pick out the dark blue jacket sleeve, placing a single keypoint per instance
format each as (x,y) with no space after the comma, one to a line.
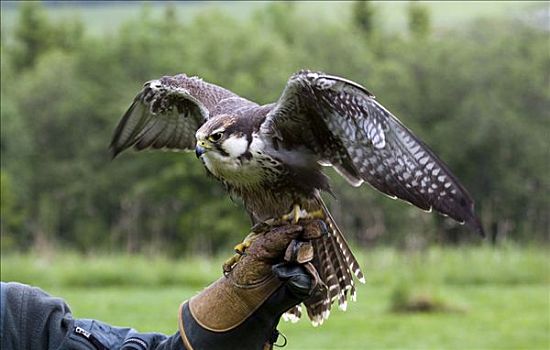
(32,319)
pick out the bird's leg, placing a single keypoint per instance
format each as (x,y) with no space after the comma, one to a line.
(247,241)
(229,263)
(241,247)
(297,214)
(294,216)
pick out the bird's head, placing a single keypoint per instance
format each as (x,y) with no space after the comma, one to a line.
(221,144)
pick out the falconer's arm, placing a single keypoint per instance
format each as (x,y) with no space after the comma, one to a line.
(240,310)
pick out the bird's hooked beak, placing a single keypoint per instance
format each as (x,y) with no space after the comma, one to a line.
(199,151)
(201,147)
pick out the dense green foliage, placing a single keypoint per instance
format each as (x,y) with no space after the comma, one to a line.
(479,287)
(478,94)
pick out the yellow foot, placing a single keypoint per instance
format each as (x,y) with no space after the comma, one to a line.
(297,214)
(240,251)
(229,263)
(241,247)
(294,215)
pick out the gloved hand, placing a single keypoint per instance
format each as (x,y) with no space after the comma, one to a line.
(242,309)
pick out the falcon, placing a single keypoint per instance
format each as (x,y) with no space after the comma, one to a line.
(271,156)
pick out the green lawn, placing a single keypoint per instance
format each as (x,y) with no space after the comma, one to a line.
(497,298)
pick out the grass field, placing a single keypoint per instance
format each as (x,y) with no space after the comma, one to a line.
(494,298)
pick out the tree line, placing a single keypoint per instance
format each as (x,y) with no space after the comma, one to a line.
(477,94)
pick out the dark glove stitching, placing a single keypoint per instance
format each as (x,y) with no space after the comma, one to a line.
(250,285)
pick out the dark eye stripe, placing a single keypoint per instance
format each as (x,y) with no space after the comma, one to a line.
(221,150)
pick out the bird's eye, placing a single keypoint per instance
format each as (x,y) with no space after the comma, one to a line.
(215,137)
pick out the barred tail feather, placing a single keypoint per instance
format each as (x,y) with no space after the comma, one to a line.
(336,266)
(343,244)
(293,315)
(318,308)
(345,277)
(330,274)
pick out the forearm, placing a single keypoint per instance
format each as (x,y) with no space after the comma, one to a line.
(32,319)
(239,311)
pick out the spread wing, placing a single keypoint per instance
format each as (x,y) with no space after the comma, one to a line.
(347,128)
(167,113)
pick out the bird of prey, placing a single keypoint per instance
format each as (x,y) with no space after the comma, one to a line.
(271,156)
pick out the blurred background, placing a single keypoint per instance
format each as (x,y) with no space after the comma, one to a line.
(472,79)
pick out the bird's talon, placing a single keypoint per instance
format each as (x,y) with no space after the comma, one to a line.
(294,216)
(240,248)
(317,214)
(246,243)
(297,214)
(229,263)
(239,252)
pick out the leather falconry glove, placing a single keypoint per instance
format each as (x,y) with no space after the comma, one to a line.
(242,309)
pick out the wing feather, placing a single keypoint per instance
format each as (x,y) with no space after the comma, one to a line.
(344,124)
(167,113)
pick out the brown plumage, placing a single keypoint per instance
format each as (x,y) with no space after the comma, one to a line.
(271,156)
